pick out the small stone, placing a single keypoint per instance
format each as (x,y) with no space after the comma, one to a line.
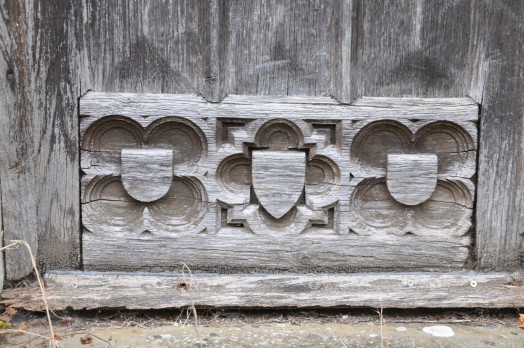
(166,336)
(439,331)
(373,335)
(401,329)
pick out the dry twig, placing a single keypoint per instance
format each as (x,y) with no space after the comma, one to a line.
(14,243)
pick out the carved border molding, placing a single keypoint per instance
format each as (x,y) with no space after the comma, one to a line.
(382,171)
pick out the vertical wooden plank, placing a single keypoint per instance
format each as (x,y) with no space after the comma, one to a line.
(498,83)
(415,48)
(16,135)
(145,46)
(213,23)
(40,181)
(2,253)
(60,78)
(280,47)
(346,56)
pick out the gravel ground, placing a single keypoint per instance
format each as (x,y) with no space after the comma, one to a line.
(285,328)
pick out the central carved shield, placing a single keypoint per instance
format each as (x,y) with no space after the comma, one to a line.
(147,174)
(278,179)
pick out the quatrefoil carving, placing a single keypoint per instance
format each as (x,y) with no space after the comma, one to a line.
(412,182)
(142,179)
(283,179)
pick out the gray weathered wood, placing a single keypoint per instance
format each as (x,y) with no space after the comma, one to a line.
(214,37)
(43,71)
(2,258)
(236,250)
(280,48)
(278,179)
(147,174)
(88,290)
(141,46)
(52,52)
(220,214)
(411,179)
(17,135)
(347,50)
(416,48)
(498,83)
(56,77)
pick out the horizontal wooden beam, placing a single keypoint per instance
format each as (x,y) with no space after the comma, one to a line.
(92,290)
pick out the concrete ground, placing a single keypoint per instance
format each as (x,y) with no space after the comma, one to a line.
(338,328)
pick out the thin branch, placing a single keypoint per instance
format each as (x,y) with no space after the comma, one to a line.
(14,243)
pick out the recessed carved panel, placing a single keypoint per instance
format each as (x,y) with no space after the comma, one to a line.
(143,178)
(257,184)
(412,177)
(446,212)
(275,184)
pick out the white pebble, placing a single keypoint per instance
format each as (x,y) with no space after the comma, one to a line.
(439,331)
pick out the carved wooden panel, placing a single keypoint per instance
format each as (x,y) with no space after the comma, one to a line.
(276,184)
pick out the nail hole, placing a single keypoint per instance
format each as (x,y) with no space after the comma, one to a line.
(183,286)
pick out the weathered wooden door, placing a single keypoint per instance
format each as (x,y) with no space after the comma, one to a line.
(240,139)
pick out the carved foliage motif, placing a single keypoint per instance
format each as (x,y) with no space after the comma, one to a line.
(221,169)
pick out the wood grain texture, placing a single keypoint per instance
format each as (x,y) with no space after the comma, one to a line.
(147,174)
(347,50)
(96,104)
(2,254)
(57,79)
(51,54)
(235,250)
(214,48)
(416,48)
(278,178)
(17,127)
(79,291)
(411,179)
(141,46)
(42,44)
(498,82)
(280,48)
(213,219)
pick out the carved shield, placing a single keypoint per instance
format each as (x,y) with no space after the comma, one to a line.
(147,174)
(278,179)
(412,178)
